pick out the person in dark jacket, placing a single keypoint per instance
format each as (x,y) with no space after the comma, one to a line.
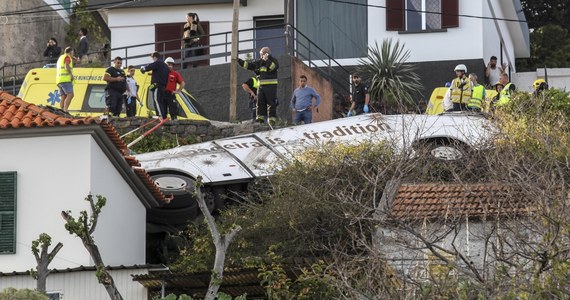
(116,85)
(53,51)
(158,82)
(267,67)
(83,47)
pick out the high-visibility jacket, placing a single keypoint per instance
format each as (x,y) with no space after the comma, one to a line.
(62,74)
(477,97)
(461,90)
(255,82)
(504,96)
(267,69)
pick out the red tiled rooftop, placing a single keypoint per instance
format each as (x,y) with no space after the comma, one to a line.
(17,113)
(445,200)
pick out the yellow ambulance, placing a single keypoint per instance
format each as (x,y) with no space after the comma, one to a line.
(39,88)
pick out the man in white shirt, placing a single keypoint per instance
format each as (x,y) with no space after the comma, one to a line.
(492,72)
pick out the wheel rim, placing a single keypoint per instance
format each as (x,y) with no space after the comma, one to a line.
(446,153)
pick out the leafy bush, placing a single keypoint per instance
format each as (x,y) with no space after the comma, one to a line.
(21,294)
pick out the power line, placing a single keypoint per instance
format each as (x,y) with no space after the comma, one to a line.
(49,8)
(428,12)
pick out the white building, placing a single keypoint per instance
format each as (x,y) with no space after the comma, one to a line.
(49,164)
(433,30)
(429,228)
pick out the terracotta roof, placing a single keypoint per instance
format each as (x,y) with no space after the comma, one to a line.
(17,113)
(446,200)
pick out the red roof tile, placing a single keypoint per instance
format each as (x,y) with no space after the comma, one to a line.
(17,113)
(445,200)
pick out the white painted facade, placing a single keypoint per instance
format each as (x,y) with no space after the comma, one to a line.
(409,256)
(82,284)
(475,38)
(55,173)
(136,26)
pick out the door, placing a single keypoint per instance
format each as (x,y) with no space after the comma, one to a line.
(270,32)
(168,40)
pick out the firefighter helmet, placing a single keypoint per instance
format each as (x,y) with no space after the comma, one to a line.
(540,84)
(460,67)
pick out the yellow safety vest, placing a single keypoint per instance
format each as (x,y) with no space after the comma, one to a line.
(463,94)
(504,96)
(62,74)
(476,97)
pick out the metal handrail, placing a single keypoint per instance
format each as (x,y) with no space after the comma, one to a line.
(300,46)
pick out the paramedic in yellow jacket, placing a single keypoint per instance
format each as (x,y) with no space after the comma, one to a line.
(64,77)
(477,96)
(505,94)
(460,89)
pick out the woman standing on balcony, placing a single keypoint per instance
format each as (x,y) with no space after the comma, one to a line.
(191,38)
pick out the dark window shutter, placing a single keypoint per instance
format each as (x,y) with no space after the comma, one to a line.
(7,212)
(395,15)
(449,13)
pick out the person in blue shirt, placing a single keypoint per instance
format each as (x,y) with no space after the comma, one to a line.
(302,101)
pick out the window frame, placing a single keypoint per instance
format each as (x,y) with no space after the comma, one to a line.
(8,179)
(396,16)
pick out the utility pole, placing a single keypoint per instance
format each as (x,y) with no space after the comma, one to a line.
(233,64)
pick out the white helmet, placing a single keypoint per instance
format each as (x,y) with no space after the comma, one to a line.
(460,67)
(169,60)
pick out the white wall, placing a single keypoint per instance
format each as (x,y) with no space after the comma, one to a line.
(82,285)
(56,173)
(557,78)
(121,231)
(398,246)
(496,31)
(475,38)
(136,26)
(435,46)
(52,175)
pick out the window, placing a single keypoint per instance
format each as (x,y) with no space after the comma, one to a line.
(421,15)
(95,99)
(7,212)
(55,295)
(339,29)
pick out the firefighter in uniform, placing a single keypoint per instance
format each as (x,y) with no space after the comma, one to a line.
(250,86)
(267,66)
(539,86)
(461,89)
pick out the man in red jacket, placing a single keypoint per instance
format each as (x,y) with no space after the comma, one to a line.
(174,85)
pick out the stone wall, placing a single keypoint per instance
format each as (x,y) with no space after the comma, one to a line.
(202,130)
(25,36)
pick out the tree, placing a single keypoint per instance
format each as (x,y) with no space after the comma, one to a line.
(43,258)
(539,13)
(327,204)
(549,39)
(393,83)
(221,243)
(82,17)
(549,47)
(83,227)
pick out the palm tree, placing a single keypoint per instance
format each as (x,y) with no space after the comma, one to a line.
(394,85)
